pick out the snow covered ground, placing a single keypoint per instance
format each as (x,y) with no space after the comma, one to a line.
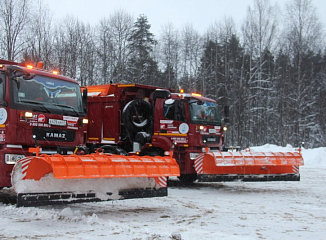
(237,210)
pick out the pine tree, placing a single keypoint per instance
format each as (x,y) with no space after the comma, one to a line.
(142,67)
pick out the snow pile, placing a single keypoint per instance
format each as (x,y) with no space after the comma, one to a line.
(71,215)
(273,148)
(312,157)
(66,215)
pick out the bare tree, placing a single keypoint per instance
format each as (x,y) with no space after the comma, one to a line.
(191,51)
(303,27)
(112,46)
(221,33)
(14,15)
(121,24)
(304,35)
(87,57)
(170,54)
(105,50)
(40,37)
(67,43)
(259,33)
(260,27)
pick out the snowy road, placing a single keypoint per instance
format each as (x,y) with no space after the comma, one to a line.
(274,210)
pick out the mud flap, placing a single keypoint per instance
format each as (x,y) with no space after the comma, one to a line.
(248,166)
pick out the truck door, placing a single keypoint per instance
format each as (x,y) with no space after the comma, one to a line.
(172,121)
(111,123)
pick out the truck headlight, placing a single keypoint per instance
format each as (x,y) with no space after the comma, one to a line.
(13,158)
(193,156)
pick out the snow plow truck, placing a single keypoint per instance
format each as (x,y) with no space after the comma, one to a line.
(124,133)
(135,119)
(42,120)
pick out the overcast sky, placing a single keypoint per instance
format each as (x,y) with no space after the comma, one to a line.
(200,13)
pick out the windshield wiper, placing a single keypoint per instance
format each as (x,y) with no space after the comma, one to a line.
(36,103)
(207,122)
(66,106)
(30,101)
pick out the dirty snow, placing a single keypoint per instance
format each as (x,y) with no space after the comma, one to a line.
(100,186)
(237,210)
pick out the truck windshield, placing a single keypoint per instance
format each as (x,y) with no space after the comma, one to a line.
(47,94)
(204,112)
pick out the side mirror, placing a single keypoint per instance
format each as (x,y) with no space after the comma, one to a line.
(85,99)
(226,114)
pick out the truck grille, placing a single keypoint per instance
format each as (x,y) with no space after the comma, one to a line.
(59,135)
(211,139)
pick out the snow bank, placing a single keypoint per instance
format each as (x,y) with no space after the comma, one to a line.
(312,157)
(273,148)
(66,215)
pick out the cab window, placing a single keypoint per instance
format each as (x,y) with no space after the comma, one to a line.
(174,110)
(2,87)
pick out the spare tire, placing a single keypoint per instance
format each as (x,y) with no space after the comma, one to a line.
(137,115)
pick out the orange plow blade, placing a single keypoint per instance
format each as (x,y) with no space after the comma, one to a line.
(55,179)
(248,166)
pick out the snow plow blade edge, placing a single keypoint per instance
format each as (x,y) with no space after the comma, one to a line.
(61,198)
(248,166)
(59,179)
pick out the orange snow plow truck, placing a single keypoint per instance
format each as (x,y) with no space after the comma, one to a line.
(43,109)
(134,119)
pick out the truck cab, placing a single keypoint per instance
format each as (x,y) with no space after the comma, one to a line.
(190,122)
(37,107)
(137,119)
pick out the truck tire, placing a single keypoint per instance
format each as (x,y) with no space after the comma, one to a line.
(114,150)
(187,178)
(153,151)
(137,115)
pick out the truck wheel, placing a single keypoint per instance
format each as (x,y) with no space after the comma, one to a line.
(187,178)
(114,150)
(153,152)
(136,116)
